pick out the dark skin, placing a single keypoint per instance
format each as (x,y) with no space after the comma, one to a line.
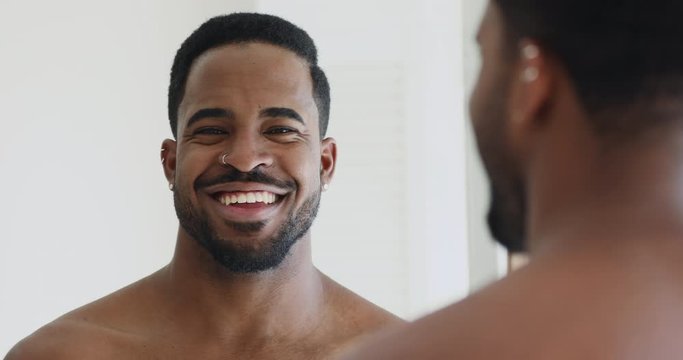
(604,228)
(194,308)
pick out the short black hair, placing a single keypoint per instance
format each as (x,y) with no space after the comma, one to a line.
(620,54)
(239,28)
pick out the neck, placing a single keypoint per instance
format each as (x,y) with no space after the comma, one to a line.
(211,299)
(592,197)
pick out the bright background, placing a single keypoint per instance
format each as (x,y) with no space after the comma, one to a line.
(85,208)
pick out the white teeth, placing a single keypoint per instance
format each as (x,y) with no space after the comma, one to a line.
(248,198)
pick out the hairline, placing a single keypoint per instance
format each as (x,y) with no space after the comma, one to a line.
(191,66)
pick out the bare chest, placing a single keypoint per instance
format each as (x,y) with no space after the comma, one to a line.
(180,350)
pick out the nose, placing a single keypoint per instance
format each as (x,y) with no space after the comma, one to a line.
(245,153)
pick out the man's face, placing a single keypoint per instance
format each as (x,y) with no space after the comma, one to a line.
(248,155)
(490,116)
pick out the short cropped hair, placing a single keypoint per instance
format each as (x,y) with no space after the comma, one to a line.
(239,28)
(620,54)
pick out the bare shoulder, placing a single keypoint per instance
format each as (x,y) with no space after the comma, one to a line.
(66,339)
(102,329)
(351,319)
(357,311)
(548,310)
(461,330)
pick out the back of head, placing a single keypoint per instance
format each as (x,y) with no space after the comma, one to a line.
(244,28)
(622,55)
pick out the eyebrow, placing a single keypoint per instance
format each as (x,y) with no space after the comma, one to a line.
(273,112)
(210,113)
(278,112)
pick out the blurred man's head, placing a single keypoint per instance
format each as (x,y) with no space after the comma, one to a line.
(624,64)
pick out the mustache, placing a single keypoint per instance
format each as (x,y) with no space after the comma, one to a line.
(255,176)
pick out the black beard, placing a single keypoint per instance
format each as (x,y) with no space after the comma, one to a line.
(507,212)
(245,259)
(506,218)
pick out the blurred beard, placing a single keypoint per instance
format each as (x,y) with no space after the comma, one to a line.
(507,216)
(507,211)
(245,258)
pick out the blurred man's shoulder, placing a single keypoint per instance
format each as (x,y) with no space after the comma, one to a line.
(484,325)
(548,310)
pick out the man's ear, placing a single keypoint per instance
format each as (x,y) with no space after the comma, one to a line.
(328,160)
(531,93)
(168,159)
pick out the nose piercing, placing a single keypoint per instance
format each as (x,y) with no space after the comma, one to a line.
(222,159)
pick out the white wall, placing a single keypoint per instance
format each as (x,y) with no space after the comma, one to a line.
(85,208)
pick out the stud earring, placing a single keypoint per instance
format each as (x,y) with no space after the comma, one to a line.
(170,186)
(530,51)
(530,74)
(325,187)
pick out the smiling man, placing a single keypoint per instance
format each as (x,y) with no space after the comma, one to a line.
(578,115)
(248,107)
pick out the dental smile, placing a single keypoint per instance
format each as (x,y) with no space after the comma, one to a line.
(247,197)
